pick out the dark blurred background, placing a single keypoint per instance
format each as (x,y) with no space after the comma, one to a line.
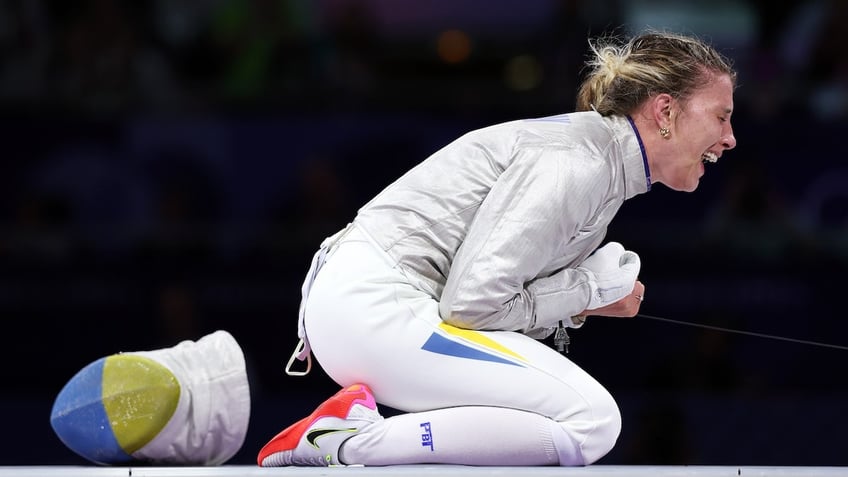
(169,167)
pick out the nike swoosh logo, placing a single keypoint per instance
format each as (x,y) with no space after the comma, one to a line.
(313,435)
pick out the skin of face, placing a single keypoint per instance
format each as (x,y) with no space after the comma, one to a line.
(698,125)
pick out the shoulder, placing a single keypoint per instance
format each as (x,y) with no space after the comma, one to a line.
(586,132)
(579,145)
(583,140)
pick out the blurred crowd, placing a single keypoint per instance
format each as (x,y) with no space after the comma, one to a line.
(105,57)
(169,166)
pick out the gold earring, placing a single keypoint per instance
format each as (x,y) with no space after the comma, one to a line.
(665,132)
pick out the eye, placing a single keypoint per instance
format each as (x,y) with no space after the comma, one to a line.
(722,119)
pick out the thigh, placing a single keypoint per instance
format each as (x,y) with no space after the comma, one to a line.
(367,324)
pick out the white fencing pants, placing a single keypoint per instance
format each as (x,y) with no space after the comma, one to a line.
(473,397)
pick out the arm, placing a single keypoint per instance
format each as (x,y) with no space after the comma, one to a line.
(538,203)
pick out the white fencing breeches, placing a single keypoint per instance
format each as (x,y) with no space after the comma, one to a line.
(367,324)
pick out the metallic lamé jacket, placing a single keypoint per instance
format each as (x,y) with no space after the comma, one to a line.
(493,224)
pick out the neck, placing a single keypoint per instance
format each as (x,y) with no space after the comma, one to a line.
(652,142)
(643,153)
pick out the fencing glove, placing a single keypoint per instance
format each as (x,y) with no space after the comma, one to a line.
(612,273)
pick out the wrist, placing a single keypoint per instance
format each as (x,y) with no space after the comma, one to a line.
(575,321)
(594,299)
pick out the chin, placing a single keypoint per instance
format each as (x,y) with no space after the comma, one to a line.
(693,182)
(684,187)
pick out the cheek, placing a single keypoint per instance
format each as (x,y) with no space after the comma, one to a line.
(703,134)
(712,133)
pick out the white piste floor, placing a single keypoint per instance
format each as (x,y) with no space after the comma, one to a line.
(425,471)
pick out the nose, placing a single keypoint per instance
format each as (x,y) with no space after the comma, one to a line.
(728,140)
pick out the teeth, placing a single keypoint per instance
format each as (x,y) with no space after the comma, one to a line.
(709,157)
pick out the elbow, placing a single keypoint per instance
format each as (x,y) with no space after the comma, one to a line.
(480,319)
(460,317)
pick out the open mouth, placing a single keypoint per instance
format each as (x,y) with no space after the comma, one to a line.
(709,157)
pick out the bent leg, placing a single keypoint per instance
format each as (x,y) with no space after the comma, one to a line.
(484,394)
(466,435)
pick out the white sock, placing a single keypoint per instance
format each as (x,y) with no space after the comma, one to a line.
(468,435)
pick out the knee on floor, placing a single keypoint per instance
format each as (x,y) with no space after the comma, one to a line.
(604,434)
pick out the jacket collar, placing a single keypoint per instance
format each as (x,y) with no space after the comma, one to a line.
(637,173)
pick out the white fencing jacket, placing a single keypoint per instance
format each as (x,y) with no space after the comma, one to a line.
(493,224)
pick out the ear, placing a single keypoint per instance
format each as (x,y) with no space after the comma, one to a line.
(662,107)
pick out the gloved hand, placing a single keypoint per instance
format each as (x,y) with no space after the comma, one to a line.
(612,274)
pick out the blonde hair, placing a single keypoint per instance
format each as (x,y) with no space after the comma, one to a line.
(622,75)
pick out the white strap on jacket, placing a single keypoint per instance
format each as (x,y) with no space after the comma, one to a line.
(303,351)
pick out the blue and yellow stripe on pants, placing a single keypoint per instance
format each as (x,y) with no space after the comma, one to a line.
(470,344)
